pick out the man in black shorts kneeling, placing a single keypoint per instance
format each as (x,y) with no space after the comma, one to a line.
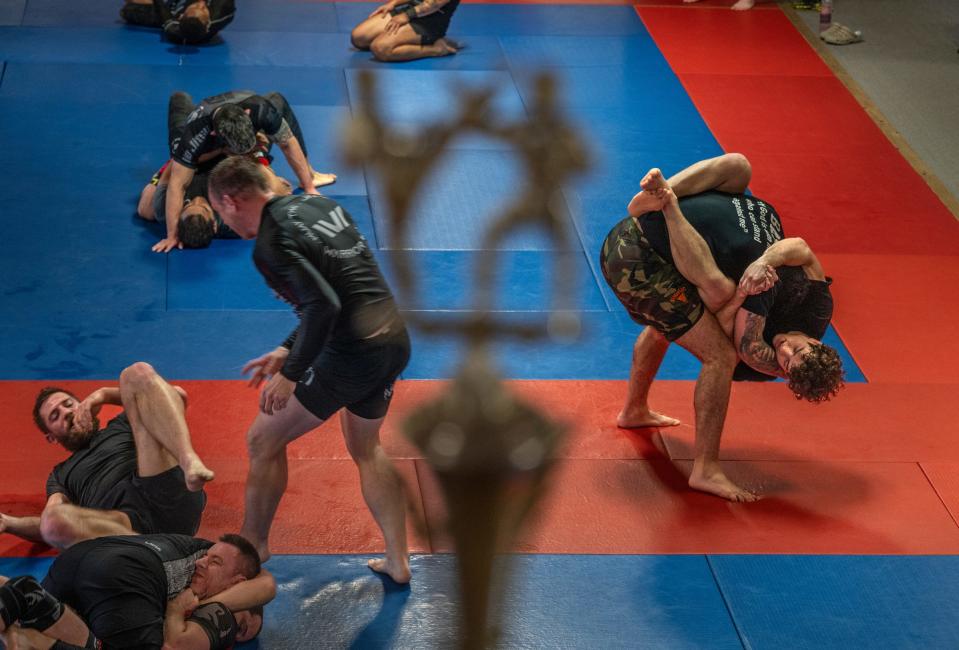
(403,30)
(138,474)
(349,348)
(143,592)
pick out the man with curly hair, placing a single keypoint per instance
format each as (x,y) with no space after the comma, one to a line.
(777,330)
(674,262)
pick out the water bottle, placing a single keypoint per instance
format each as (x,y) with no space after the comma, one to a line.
(825,15)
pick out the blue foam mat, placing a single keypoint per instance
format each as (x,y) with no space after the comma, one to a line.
(275,48)
(11,12)
(284,16)
(401,93)
(225,278)
(86,45)
(477,53)
(48,13)
(841,602)
(103,84)
(454,207)
(584,51)
(334,601)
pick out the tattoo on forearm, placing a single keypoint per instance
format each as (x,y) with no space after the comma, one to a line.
(427,7)
(754,350)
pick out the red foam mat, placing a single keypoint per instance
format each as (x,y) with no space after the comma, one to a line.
(704,4)
(644,506)
(896,314)
(322,511)
(945,479)
(865,422)
(731,42)
(784,114)
(617,485)
(220,412)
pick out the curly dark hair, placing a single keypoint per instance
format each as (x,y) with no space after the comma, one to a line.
(234,126)
(819,376)
(194,230)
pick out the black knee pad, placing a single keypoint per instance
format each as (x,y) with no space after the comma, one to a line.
(23,599)
(10,605)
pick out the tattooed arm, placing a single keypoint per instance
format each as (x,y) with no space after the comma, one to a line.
(428,7)
(750,346)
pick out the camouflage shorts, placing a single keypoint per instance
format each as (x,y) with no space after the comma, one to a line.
(651,289)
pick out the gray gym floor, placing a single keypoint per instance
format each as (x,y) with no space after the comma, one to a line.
(908,67)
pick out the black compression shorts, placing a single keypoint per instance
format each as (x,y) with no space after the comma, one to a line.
(161,503)
(433,27)
(119,592)
(359,378)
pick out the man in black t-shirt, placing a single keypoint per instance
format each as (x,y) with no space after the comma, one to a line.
(664,286)
(403,30)
(142,592)
(138,474)
(716,239)
(182,21)
(349,348)
(227,125)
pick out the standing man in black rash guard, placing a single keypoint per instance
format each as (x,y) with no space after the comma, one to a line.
(182,21)
(403,30)
(143,592)
(138,474)
(349,348)
(663,268)
(227,125)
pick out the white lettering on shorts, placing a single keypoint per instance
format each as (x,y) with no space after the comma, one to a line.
(308,376)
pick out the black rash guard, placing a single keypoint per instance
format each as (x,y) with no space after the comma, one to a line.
(89,476)
(198,136)
(312,255)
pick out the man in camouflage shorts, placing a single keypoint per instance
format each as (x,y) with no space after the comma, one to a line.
(656,295)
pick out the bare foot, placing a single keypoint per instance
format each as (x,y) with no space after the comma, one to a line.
(653,180)
(319,179)
(400,575)
(715,482)
(644,419)
(651,198)
(742,5)
(197,475)
(449,46)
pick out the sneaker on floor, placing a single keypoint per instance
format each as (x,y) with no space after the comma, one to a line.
(841,35)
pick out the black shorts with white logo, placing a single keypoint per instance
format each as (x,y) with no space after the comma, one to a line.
(359,378)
